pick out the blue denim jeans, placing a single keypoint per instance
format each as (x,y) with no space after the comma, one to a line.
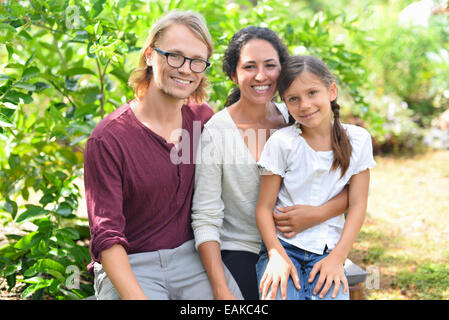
(304,262)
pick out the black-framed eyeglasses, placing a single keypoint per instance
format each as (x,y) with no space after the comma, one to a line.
(176,60)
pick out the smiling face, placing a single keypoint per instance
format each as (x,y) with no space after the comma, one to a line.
(257,72)
(308,100)
(176,83)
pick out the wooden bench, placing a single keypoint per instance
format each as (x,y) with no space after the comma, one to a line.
(356,276)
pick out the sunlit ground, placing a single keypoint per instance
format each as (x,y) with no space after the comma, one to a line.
(406,234)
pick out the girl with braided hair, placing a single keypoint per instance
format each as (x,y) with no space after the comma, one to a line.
(309,162)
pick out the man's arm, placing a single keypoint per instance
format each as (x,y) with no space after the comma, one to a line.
(116,264)
(102,179)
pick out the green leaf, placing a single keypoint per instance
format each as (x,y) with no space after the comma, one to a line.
(5,122)
(8,27)
(120,74)
(30,72)
(23,33)
(17,97)
(10,51)
(98,29)
(43,246)
(12,268)
(76,71)
(97,8)
(64,209)
(32,212)
(51,267)
(11,280)
(63,241)
(10,206)
(14,161)
(91,95)
(28,241)
(80,254)
(40,284)
(40,86)
(69,232)
(24,85)
(46,198)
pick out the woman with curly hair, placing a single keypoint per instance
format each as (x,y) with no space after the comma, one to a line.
(227,177)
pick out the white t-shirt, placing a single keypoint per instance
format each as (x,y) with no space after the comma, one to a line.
(308,180)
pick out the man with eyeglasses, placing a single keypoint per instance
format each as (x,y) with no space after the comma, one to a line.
(138,200)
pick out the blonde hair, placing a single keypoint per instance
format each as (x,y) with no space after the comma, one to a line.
(140,78)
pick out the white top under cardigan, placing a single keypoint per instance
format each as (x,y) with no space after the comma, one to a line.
(227,184)
(308,180)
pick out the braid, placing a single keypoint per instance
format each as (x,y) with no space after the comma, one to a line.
(233,97)
(335,109)
(341,146)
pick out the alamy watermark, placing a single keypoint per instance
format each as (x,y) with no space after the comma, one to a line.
(73,279)
(372,281)
(72,14)
(216,146)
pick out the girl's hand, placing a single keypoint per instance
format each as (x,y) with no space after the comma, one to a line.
(331,272)
(278,270)
(295,219)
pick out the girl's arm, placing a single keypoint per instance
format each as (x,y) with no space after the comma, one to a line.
(331,268)
(116,264)
(297,218)
(279,266)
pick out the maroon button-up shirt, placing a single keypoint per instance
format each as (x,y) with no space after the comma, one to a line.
(138,188)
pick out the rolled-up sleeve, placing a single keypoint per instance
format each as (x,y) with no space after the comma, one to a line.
(273,157)
(207,204)
(104,197)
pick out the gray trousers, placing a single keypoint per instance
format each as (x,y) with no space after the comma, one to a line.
(168,274)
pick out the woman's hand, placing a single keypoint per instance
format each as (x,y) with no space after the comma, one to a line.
(295,219)
(331,271)
(278,270)
(224,294)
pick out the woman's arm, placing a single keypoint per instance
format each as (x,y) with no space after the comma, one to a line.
(279,266)
(211,257)
(208,212)
(116,264)
(297,218)
(331,268)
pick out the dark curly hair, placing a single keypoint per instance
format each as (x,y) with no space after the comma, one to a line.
(232,53)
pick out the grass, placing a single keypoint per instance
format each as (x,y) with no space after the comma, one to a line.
(406,233)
